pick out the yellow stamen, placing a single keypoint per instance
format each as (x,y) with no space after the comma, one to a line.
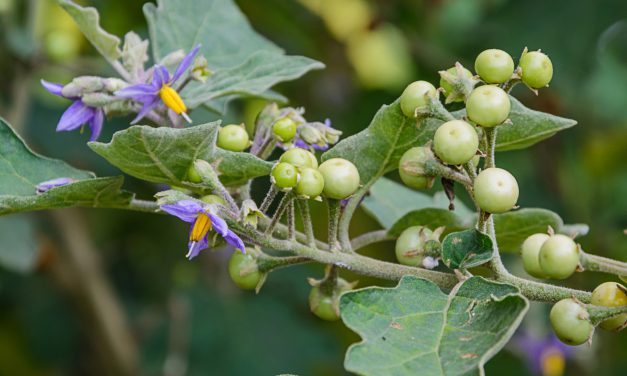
(172,100)
(201,228)
(553,363)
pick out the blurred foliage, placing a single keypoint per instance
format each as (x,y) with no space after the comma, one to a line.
(187,317)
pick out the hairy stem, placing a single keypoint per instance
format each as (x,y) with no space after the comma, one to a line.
(267,263)
(490,134)
(303,208)
(267,201)
(291,223)
(368,238)
(334,216)
(600,314)
(285,201)
(596,263)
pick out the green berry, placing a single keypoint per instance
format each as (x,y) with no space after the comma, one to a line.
(611,294)
(455,142)
(570,322)
(488,106)
(411,244)
(537,69)
(311,183)
(213,199)
(284,129)
(327,305)
(233,137)
(300,158)
(416,96)
(341,178)
(530,251)
(447,87)
(193,175)
(284,175)
(494,66)
(411,168)
(496,190)
(243,270)
(559,257)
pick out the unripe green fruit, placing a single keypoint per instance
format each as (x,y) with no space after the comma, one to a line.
(537,69)
(410,167)
(416,96)
(341,178)
(213,199)
(610,294)
(530,253)
(243,270)
(488,106)
(410,245)
(233,137)
(300,158)
(494,66)
(284,175)
(448,88)
(284,129)
(570,322)
(193,175)
(455,142)
(496,190)
(327,307)
(311,183)
(559,257)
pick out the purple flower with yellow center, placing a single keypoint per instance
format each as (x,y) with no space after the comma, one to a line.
(78,114)
(160,90)
(546,356)
(47,185)
(203,221)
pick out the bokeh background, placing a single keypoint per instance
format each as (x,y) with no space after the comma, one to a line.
(97,291)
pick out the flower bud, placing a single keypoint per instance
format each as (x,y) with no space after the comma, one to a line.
(173,59)
(113,84)
(250,212)
(134,52)
(98,99)
(200,70)
(82,85)
(311,135)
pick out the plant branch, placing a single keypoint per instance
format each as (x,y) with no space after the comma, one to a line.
(490,134)
(368,238)
(334,215)
(596,263)
(285,201)
(303,208)
(267,201)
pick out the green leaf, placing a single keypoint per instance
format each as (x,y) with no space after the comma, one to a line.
(244,63)
(416,329)
(18,248)
(21,170)
(466,249)
(528,127)
(164,155)
(388,201)
(88,21)
(514,227)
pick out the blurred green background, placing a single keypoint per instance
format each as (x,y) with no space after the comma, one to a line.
(83,291)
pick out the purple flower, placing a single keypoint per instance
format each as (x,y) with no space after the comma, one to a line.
(47,185)
(202,220)
(160,90)
(545,356)
(77,114)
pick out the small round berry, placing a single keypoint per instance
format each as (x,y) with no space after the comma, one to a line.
(537,69)
(284,175)
(193,175)
(455,142)
(530,251)
(448,88)
(611,294)
(341,178)
(410,245)
(570,322)
(488,106)
(494,66)
(233,137)
(559,257)
(311,183)
(416,96)
(243,270)
(327,306)
(300,158)
(496,190)
(284,129)
(411,167)
(213,199)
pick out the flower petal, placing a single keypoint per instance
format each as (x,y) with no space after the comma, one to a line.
(218,224)
(52,87)
(196,247)
(187,61)
(96,124)
(45,186)
(75,116)
(147,107)
(235,241)
(186,210)
(160,76)
(135,91)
